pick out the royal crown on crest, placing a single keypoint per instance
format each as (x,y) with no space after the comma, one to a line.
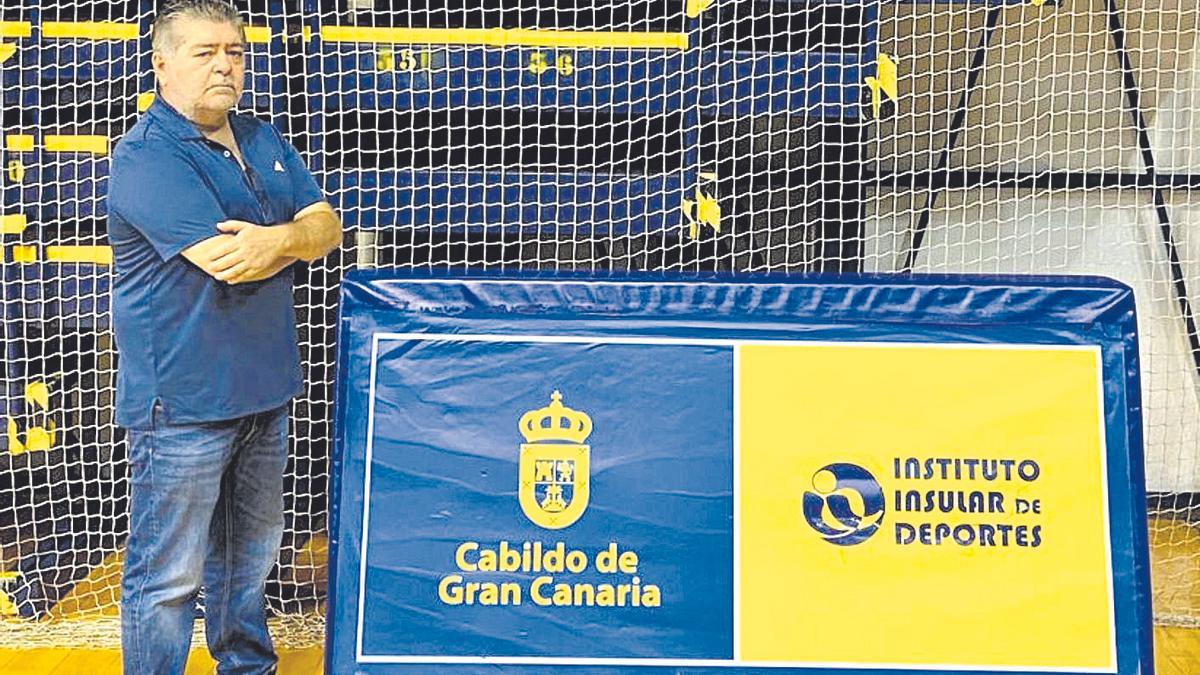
(555,422)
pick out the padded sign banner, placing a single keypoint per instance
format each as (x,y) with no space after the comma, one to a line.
(627,475)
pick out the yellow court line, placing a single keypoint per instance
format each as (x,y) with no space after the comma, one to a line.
(97,145)
(101,661)
(40,661)
(18,142)
(15,29)
(90,30)
(13,223)
(504,37)
(95,662)
(1172,657)
(98,255)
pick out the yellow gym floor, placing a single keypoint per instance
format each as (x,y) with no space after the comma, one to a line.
(1177,652)
(1175,552)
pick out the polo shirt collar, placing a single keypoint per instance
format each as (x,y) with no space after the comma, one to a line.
(174,120)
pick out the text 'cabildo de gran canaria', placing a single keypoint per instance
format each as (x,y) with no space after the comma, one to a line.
(552,569)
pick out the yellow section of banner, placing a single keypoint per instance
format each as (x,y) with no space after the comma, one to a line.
(924,506)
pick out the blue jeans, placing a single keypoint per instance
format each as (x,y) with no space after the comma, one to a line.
(206,509)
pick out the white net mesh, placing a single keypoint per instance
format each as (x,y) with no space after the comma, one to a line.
(1076,114)
(735,135)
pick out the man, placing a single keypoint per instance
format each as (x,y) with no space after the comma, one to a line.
(208,211)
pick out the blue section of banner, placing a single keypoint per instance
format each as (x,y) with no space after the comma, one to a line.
(444,478)
(443,474)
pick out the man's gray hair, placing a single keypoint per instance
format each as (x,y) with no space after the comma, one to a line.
(218,11)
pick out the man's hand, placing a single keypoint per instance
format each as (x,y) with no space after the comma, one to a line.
(242,255)
(279,265)
(256,252)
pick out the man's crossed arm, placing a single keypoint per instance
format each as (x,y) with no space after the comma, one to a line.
(246,252)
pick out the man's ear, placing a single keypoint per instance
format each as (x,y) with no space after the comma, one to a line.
(158,62)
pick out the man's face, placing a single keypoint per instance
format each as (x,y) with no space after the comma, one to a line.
(205,71)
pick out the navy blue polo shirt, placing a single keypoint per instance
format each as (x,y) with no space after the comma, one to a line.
(202,349)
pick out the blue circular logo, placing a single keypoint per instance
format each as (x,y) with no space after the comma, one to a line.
(845,505)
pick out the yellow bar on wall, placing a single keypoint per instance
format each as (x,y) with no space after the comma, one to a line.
(15,29)
(502,37)
(13,223)
(398,35)
(18,142)
(24,254)
(144,101)
(97,145)
(258,34)
(695,8)
(99,255)
(596,40)
(90,30)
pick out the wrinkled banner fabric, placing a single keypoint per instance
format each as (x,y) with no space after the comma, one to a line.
(753,475)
